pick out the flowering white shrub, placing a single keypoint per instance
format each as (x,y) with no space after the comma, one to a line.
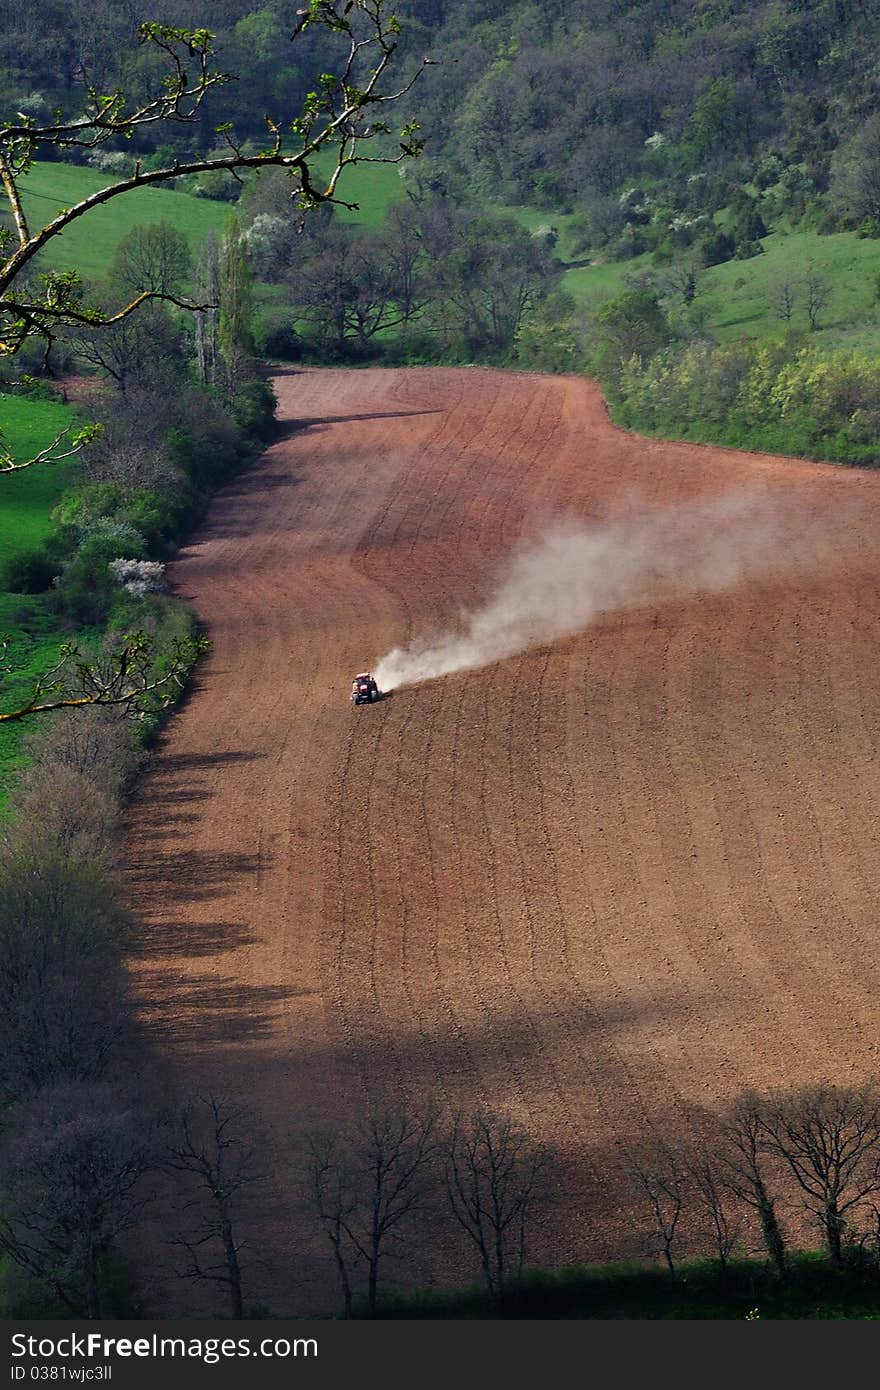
(112,161)
(681,223)
(139,577)
(108,529)
(266,239)
(32,104)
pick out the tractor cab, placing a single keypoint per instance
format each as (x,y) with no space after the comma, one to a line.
(364,690)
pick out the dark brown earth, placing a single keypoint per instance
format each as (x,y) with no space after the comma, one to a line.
(605,885)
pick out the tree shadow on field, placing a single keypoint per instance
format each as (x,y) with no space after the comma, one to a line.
(259,480)
(174,779)
(172,763)
(190,875)
(196,1010)
(288,428)
(188,939)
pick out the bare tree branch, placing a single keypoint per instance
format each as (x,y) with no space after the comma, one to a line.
(53,453)
(130,676)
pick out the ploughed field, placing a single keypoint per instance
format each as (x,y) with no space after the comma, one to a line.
(605,885)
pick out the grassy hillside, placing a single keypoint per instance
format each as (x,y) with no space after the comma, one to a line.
(374,186)
(25,502)
(26,498)
(88,245)
(736,296)
(737,292)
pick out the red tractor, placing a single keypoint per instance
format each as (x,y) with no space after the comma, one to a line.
(364,690)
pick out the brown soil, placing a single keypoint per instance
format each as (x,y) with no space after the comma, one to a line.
(605,885)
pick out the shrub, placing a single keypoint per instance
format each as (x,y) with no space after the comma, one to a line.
(768,396)
(745,250)
(716,248)
(115,162)
(29,572)
(204,467)
(216,184)
(82,506)
(86,588)
(128,539)
(276,337)
(139,577)
(254,408)
(96,742)
(154,517)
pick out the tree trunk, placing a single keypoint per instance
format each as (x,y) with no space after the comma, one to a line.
(233,1267)
(833,1224)
(772,1235)
(343,1277)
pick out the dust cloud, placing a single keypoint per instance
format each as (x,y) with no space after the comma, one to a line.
(558,584)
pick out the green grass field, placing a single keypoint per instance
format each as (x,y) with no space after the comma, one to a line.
(26,500)
(736,294)
(88,244)
(376,187)
(32,648)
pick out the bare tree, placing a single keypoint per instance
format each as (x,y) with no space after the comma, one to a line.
(782,298)
(658,1175)
(829,1136)
(215,1149)
(493,1174)
(70,1186)
(335,1204)
(67,800)
(97,744)
(368,1190)
(745,1163)
(123,350)
(407,262)
(818,292)
(713,1195)
(63,809)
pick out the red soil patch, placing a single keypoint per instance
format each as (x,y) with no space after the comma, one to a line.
(605,885)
